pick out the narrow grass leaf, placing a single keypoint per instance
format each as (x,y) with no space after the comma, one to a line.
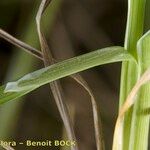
(59,70)
(68,67)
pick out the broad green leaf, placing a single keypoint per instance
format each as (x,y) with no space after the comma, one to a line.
(33,80)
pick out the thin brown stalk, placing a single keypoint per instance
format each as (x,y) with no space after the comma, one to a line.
(55,86)
(97,121)
(20,44)
(46,4)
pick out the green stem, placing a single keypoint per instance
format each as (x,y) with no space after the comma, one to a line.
(140,119)
(130,70)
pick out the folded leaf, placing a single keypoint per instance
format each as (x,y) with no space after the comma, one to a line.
(65,68)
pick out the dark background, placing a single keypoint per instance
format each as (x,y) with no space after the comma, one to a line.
(79,26)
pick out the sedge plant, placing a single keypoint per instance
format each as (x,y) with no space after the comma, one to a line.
(132,126)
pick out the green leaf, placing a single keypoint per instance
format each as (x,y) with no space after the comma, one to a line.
(65,68)
(4,97)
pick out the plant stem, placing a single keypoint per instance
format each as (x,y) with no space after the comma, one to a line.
(140,119)
(130,70)
(55,86)
(147,16)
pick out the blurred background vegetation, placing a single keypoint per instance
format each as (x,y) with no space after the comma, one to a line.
(72,27)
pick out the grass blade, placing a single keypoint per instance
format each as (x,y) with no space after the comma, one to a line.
(68,67)
(62,69)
